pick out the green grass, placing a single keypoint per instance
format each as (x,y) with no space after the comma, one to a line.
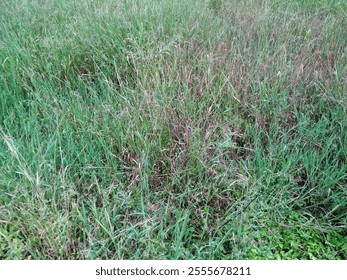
(175,129)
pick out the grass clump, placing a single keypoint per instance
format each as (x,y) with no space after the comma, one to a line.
(173,129)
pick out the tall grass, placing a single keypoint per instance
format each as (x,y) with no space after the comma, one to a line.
(173,129)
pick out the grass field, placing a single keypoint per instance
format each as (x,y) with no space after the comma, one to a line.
(173,129)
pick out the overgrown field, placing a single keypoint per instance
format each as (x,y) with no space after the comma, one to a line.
(173,129)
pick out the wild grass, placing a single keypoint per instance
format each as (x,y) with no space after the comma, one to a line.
(173,129)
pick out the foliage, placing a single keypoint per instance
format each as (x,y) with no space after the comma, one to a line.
(297,240)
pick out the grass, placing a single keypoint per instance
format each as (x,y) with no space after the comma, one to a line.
(173,129)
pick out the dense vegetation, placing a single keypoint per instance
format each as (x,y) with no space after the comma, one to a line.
(173,129)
